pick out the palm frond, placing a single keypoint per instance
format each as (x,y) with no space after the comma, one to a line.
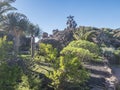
(15,20)
(88,34)
(5,6)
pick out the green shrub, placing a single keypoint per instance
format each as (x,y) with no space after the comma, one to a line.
(82,54)
(92,47)
(9,76)
(47,52)
(5,48)
(70,68)
(70,71)
(88,51)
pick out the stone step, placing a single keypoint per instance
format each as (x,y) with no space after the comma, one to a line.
(98,72)
(96,68)
(96,80)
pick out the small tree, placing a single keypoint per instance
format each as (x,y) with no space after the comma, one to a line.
(47,54)
(70,71)
(71,24)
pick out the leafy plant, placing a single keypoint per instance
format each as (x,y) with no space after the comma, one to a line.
(9,76)
(83,33)
(70,71)
(48,52)
(81,53)
(5,48)
(92,47)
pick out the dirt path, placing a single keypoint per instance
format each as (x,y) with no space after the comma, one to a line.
(103,76)
(114,79)
(116,71)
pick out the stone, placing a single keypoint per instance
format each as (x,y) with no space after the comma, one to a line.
(45,35)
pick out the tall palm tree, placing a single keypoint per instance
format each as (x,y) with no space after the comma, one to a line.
(5,6)
(15,24)
(33,31)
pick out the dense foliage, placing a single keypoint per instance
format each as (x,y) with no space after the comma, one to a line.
(70,68)
(70,73)
(88,51)
(92,47)
(10,76)
(10,73)
(47,52)
(5,48)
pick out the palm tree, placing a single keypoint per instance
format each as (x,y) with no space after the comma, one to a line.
(5,6)
(116,33)
(83,33)
(15,24)
(33,31)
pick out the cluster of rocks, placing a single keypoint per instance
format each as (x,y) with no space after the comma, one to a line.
(59,39)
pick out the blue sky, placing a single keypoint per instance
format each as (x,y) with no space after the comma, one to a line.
(51,14)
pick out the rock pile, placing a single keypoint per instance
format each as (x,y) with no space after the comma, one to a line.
(59,39)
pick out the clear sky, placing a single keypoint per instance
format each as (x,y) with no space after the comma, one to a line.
(51,14)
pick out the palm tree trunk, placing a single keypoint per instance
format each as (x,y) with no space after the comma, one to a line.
(17,41)
(32,45)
